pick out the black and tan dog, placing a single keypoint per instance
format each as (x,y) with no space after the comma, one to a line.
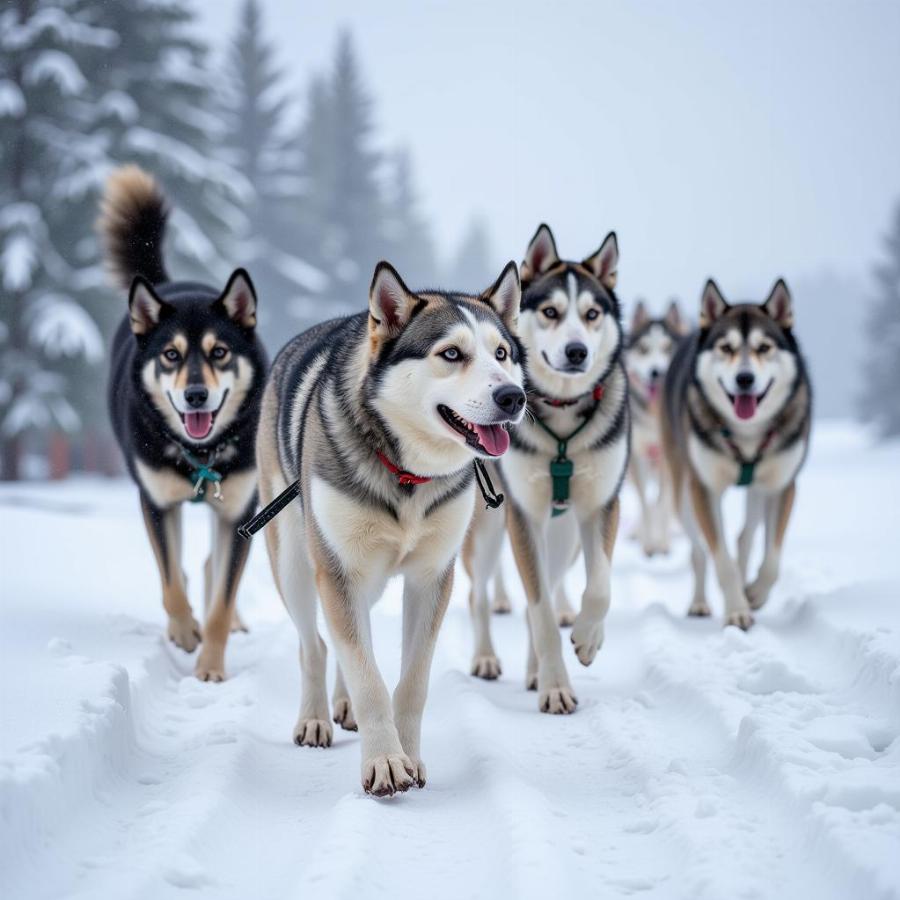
(737,411)
(376,420)
(186,379)
(566,464)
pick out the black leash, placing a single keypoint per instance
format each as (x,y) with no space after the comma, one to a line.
(292,491)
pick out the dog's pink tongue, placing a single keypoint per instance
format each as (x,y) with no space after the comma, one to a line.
(653,391)
(745,406)
(198,424)
(494,438)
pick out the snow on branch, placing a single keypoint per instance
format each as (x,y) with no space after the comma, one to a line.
(58,67)
(60,327)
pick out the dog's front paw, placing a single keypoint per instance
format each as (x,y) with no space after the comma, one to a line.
(699,607)
(487,667)
(741,618)
(384,776)
(313,732)
(343,714)
(558,701)
(587,637)
(531,681)
(757,594)
(565,618)
(420,775)
(210,665)
(184,632)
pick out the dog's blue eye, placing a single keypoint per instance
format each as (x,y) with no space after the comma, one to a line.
(172,355)
(501,353)
(549,312)
(218,352)
(451,354)
(591,315)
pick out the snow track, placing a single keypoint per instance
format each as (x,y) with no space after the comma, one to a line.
(702,762)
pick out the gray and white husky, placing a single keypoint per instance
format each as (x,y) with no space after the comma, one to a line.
(566,464)
(737,409)
(651,343)
(378,418)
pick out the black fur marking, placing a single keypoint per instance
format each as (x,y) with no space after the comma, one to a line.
(462,485)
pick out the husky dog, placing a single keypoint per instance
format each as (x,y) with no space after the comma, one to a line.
(736,411)
(186,378)
(378,418)
(651,343)
(566,464)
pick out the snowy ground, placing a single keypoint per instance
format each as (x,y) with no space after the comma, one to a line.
(701,763)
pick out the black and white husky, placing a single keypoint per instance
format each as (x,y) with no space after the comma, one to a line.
(651,343)
(377,419)
(566,464)
(185,383)
(737,411)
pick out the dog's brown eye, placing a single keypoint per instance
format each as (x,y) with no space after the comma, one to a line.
(451,354)
(550,312)
(763,349)
(727,349)
(172,355)
(219,352)
(591,315)
(501,353)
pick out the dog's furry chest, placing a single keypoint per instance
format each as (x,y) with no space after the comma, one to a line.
(719,470)
(646,434)
(363,537)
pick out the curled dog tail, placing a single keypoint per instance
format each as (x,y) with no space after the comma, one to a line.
(132,223)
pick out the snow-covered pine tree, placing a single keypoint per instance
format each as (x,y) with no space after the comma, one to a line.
(344,209)
(255,142)
(48,51)
(472,267)
(408,232)
(880,401)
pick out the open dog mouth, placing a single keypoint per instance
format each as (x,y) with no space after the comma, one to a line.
(745,405)
(569,369)
(490,439)
(199,423)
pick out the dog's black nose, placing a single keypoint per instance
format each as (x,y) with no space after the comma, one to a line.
(510,399)
(744,380)
(576,353)
(195,395)
(654,374)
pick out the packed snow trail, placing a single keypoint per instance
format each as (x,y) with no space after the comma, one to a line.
(702,762)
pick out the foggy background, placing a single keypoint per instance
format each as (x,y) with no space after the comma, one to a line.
(305,141)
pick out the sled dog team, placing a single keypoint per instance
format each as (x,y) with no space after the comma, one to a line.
(372,438)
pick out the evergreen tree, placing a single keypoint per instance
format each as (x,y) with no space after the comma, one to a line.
(344,217)
(881,399)
(269,243)
(48,117)
(407,230)
(472,267)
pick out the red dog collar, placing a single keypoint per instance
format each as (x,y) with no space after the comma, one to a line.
(402,476)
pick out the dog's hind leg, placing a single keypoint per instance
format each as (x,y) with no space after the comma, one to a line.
(341,703)
(555,694)
(481,558)
(500,604)
(425,600)
(164,530)
(229,556)
(777,514)
(598,537)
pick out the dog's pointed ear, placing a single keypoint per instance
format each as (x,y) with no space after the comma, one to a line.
(541,254)
(779,305)
(640,317)
(505,295)
(239,299)
(712,305)
(145,309)
(674,320)
(605,262)
(391,302)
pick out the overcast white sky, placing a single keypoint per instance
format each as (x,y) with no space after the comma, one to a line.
(742,140)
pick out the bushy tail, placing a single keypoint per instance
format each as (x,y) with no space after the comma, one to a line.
(132,222)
